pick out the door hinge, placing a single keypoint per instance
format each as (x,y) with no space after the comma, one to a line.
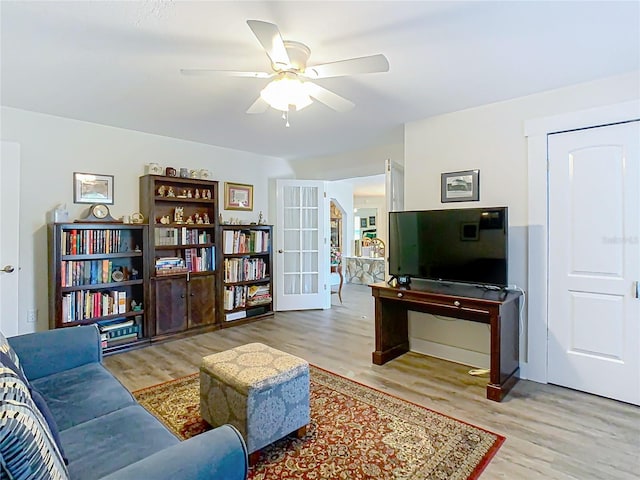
(636,289)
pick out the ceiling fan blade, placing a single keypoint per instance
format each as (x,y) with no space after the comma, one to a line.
(201,72)
(330,99)
(269,37)
(352,66)
(259,106)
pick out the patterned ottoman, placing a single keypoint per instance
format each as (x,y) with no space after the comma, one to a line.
(261,391)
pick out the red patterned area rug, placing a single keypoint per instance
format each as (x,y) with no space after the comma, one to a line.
(356,432)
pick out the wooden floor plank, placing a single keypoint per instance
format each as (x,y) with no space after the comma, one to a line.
(552,432)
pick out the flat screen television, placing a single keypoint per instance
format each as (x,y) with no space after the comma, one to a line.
(460,245)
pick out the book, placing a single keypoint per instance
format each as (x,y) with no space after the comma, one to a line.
(235,315)
(228,241)
(122,301)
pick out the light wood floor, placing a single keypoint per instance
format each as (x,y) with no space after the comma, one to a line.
(552,432)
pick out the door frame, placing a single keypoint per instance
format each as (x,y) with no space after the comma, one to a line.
(536,131)
(10,323)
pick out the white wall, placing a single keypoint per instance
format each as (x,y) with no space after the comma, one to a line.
(490,138)
(52,148)
(358,163)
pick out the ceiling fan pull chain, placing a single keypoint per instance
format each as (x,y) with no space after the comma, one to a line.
(285,115)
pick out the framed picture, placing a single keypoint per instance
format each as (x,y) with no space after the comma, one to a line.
(92,188)
(460,186)
(372,221)
(238,196)
(363,222)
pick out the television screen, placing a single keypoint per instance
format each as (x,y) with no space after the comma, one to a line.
(462,245)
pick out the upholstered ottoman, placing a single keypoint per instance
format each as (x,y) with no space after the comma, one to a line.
(261,391)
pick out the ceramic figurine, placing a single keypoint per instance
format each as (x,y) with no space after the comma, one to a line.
(170,192)
(177,214)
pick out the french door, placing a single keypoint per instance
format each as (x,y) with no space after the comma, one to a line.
(302,258)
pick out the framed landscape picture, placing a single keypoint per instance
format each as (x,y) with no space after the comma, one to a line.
(92,188)
(460,186)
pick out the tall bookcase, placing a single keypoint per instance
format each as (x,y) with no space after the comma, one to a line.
(98,274)
(183,215)
(246,272)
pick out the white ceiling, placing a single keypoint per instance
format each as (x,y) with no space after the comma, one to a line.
(117,63)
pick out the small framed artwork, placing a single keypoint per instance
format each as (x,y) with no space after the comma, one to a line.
(363,222)
(92,188)
(238,196)
(460,186)
(372,221)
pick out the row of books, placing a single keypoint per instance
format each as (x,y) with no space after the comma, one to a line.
(201,259)
(244,269)
(242,296)
(246,241)
(181,236)
(88,242)
(91,272)
(87,304)
(118,331)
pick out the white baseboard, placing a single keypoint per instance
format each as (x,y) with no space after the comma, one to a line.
(447,352)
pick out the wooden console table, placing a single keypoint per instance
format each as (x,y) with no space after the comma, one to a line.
(499,309)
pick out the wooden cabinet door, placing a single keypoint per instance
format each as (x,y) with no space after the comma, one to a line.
(171,305)
(202,301)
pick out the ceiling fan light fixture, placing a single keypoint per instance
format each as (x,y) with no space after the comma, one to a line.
(285,92)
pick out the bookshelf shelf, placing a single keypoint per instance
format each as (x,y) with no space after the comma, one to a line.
(181,237)
(97,256)
(182,199)
(249,282)
(246,273)
(98,273)
(90,321)
(101,286)
(189,245)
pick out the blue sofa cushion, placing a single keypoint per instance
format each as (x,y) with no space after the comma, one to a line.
(38,399)
(81,394)
(116,440)
(27,447)
(40,402)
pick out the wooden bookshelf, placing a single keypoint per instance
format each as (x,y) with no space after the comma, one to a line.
(98,275)
(182,250)
(247,291)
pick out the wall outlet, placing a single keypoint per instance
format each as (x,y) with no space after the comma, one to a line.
(32,315)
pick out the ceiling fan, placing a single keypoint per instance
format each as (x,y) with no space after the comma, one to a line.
(291,88)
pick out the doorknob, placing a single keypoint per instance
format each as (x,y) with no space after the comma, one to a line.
(280,251)
(7,269)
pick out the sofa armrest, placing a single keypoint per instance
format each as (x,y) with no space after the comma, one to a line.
(52,351)
(216,454)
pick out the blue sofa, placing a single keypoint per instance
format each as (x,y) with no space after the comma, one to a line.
(102,433)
